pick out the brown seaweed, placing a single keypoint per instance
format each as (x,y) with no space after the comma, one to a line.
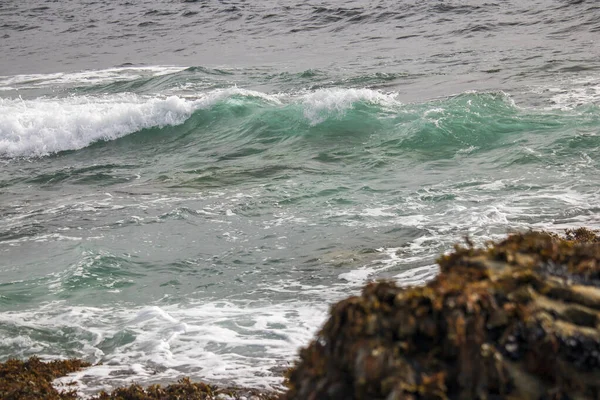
(32,379)
(185,389)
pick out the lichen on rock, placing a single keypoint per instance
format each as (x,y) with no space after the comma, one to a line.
(518,319)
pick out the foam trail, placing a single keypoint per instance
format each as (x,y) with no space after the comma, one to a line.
(31,128)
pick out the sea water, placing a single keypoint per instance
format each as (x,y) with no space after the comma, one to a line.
(186,186)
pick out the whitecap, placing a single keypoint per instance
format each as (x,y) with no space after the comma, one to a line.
(31,128)
(327,103)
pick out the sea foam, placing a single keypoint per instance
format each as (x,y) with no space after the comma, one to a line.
(31,128)
(326,103)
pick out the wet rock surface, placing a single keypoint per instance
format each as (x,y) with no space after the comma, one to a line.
(518,319)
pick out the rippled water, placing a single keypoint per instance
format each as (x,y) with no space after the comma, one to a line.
(186,186)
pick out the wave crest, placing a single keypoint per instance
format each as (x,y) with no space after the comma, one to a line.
(325,103)
(31,128)
(43,126)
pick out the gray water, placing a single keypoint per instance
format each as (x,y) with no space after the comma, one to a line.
(186,186)
(447,46)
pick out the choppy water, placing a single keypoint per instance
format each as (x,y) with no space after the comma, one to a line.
(186,186)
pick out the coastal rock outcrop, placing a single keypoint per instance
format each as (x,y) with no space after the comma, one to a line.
(518,319)
(32,379)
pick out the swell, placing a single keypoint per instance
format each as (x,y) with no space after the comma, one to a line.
(34,128)
(236,122)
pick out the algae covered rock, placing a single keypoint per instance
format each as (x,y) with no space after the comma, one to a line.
(32,379)
(519,319)
(185,389)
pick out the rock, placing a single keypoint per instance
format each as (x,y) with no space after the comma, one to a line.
(185,389)
(519,319)
(32,379)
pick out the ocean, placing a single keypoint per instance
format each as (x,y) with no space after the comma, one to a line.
(187,186)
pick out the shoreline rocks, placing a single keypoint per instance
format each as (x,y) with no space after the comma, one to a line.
(32,380)
(519,319)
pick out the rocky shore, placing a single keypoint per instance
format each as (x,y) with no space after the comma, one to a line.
(32,380)
(517,319)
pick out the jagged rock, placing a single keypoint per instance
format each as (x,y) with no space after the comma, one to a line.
(519,319)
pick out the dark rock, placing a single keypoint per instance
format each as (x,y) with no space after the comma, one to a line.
(518,319)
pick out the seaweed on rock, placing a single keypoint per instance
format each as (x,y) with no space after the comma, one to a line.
(185,389)
(519,319)
(32,379)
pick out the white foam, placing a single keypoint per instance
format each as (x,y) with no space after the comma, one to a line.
(21,342)
(323,104)
(572,93)
(417,276)
(374,217)
(391,258)
(357,276)
(493,185)
(208,99)
(44,126)
(378,212)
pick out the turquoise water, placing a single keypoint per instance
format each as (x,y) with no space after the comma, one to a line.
(169,220)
